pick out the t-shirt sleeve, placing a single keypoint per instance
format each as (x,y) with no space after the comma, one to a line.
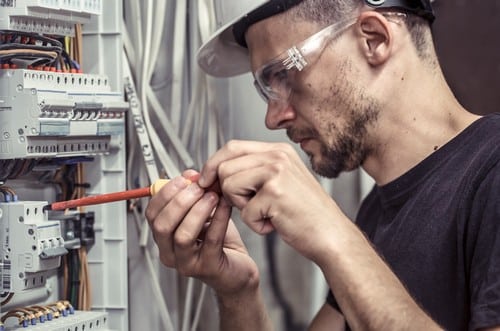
(483,248)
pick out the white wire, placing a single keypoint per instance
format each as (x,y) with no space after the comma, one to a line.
(206,19)
(194,106)
(157,290)
(137,23)
(178,63)
(199,306)
(145,54)
(128,46)
(165,159)
(159,21)
(169,129)
(212,121)
(197,120)
(188,304)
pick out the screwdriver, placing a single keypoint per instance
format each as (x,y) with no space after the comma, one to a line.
(122,195)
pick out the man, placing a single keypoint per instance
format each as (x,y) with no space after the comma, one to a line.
(355,83)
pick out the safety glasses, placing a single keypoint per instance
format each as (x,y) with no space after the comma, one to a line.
(273,80)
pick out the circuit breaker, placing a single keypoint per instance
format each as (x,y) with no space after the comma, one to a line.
(62,136)
(31,245)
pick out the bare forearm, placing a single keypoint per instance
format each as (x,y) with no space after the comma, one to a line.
(370,295)
(244,313)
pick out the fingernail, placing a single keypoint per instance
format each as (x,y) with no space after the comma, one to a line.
(202,181)
(210,196)
(180,182)
(194,188)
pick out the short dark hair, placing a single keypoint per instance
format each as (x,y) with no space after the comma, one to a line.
(326,12)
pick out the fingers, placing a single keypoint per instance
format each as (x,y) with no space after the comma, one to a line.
(191,174)
(216,232)
(168,209)
(186,237)
(159,200)
(235,149)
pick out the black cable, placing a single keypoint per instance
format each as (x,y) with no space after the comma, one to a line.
(35,36)
(6,47)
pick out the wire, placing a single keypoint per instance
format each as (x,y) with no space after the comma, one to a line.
(7,299)
(169,129)
(178,63)
(188,304)
(85,291)
(31,36)
(199,306)
(161,304)
(77,45)
(159,20)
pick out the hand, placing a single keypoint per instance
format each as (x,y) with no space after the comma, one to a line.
(198,241)
(272,187)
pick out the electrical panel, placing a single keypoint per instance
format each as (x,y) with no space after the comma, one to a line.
(54,17)
(49,114)
(62,136)
(31,245)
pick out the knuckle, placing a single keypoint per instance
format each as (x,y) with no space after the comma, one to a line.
(223,170)
(232,145)
(212,241)
(281,156)
(183,239)
(277,167)
(150,215)
(161,228)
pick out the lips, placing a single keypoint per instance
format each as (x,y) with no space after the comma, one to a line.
(300,136)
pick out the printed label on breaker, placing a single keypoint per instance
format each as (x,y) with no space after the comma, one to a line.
(7,3)
(6,275)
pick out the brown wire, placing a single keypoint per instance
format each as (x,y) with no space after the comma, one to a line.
(7,299)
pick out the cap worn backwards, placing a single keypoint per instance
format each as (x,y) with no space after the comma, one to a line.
(225,54)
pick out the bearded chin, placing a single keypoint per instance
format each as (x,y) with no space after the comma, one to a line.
(328,164)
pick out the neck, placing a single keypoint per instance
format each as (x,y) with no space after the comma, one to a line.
(418,119)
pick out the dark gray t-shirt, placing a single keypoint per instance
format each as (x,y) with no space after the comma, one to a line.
(438,228)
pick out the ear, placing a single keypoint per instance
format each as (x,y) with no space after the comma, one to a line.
(375,37)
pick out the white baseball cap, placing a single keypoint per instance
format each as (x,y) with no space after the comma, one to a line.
(225,54)
(222,55)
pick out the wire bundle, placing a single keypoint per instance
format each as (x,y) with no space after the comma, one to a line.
(35,51)
(179,114)
(15,168)
(76,279)
(28,49)
(39,313)
(8,194)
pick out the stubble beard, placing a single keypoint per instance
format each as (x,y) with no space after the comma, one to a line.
(350,145)
(350,148)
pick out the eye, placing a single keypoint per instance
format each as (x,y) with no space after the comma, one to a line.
(279,77)
(273,73)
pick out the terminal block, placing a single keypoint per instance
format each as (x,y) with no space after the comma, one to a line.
(79,320)
(77,228)
(30,244)
(48,114)
(53,17)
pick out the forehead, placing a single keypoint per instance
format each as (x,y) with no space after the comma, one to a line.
(269,38)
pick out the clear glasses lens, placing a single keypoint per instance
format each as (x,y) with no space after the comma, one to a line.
(272,82)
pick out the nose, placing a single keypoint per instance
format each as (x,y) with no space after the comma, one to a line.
(278,114)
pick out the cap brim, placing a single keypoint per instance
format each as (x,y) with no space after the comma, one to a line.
(222,56)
